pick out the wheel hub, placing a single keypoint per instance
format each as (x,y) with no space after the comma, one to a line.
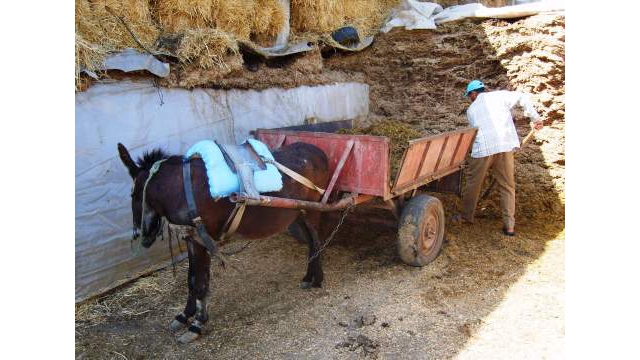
(430,233)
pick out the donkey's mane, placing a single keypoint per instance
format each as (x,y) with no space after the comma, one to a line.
(146,161)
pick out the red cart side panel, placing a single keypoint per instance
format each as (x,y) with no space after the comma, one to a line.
(432,157)
(366,170)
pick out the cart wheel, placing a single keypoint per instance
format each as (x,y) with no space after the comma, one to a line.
(421,230)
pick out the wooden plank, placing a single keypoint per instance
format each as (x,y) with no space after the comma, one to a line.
(455,152)
(337,171)
(410,162)
(424,156)
(464,148)
(444,146)
(431,158)
(449,151)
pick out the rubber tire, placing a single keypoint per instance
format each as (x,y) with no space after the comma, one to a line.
(421,213)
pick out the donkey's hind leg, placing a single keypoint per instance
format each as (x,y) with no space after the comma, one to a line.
(309,223)
(202,266)
(182,320)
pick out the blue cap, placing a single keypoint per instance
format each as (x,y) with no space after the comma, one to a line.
(474,85)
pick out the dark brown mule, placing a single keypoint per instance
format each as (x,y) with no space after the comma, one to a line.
(165,197)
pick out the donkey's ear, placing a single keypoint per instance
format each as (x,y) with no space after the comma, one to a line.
(127,161)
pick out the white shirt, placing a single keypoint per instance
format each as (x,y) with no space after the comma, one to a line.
(491,114)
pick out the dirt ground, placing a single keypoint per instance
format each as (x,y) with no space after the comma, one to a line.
(371,305)
(485,296)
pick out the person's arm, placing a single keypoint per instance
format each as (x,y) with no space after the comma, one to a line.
(522,99)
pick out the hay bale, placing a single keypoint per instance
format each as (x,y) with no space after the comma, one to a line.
(325,16)
(269,18)
(137,15)
(98,32)
(206,48)
(235,17)
(367,15)
(175,16)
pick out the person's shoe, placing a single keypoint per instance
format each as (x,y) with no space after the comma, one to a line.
(508,233)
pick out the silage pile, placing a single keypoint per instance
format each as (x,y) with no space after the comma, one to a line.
(419,77)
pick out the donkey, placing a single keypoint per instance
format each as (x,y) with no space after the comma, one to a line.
(165,197)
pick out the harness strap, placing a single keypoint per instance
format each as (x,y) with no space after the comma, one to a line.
(295,176)
(193,211)
(243,169)
(230,226)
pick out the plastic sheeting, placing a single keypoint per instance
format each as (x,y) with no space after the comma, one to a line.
(132,60)
(506,12)
(413,14)
(131,113)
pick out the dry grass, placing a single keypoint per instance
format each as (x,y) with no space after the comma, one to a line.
(207,48)
(178,15)
(208,26)
(113,35)
(325,16)
(240,18)
(140,297)
(98,32)
(269,18)
(88,56)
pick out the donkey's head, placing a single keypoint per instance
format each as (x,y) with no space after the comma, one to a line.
(146,223)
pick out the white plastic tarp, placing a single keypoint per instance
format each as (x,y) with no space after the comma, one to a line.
(132,60)
(413,14)
(131,113)
(506,12)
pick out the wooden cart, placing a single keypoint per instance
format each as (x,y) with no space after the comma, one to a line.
(360,170)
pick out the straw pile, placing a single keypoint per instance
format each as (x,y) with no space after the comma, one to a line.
(97,25)
(206,48)
(241,18)
(98,32)
(325,16)
(398,132)
(175,16)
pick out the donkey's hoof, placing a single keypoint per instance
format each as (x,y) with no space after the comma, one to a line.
(176,325)
(188,337)
(305,285)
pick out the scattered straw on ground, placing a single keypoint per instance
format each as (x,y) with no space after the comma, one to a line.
(400,134)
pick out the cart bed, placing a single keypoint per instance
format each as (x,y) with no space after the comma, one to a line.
(366,168)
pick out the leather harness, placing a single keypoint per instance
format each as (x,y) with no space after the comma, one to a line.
(246,185)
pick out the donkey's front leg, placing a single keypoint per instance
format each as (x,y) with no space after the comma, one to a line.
(182,320)
(202,265)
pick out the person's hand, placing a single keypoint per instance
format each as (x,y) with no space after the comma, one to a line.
(538,125)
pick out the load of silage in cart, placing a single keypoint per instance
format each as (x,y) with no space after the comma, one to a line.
(398,132)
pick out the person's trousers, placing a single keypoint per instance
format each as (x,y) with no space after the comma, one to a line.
(503,172)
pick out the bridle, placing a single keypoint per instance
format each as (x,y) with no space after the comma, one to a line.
(154,169)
